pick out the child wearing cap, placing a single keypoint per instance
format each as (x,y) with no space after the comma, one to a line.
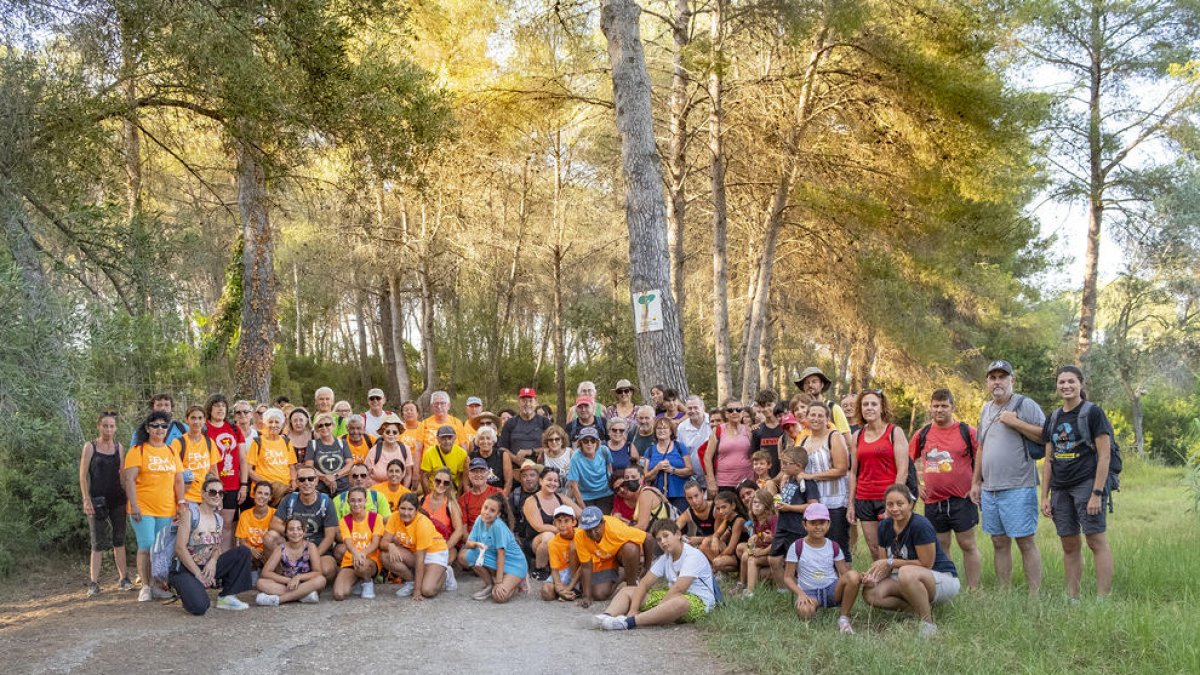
(565,573)
(590,471)
(816,571)
(601,543)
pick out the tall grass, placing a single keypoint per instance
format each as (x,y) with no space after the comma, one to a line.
(1151,622)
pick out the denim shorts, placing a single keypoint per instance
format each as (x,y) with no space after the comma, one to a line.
(1010,513)
(146,530)
(825,597)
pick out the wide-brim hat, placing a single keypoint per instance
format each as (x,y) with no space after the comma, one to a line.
(392,418)
(809,372)
(622,384)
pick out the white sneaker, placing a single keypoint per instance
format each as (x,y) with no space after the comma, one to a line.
(928,630)
(844,625)
(144,594)
(357,588)
(405,590)
(311,598)
(368,590)
(232,602)
(597,620)
(615,623)
(482,594)
(451,582)
(266,600)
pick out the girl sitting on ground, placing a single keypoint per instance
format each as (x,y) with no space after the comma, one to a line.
(699,520)
(728,532)
(494,552)
(754,553)
(288,574)
(817,573)
(415,551)
(361,532)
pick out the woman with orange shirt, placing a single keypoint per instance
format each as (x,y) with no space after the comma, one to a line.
(201,457)
(271,457)
(415,552)
(442,507)
(393,488)
(154,488)
(361,533)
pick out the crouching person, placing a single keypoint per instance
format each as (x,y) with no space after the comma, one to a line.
(198,567)
(817,573)
(601,544)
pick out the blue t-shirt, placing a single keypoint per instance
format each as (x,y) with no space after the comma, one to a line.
(795,492)
(620,458)
(669,483)
(497,536)
(592,474)
(904,545)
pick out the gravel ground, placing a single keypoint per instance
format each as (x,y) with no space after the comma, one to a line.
(62,631)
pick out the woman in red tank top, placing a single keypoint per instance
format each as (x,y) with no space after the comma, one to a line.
(879,460)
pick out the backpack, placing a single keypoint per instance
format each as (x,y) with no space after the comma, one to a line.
(963,428)
(162,553)
(183,445)
(371,517)
(910,482)
(799,546)
(379,451)
(291,505)
(1115,464)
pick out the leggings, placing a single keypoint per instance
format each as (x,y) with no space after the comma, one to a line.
(233,577)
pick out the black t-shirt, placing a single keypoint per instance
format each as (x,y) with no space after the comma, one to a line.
(904,545)
(523,434)
(316,516)
(795,492)
(575,426)
(771,440)
(642,443)
(1074,462)
(328,460)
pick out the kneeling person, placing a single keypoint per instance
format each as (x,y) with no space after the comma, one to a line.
(817,573)
(361,532)
(690,594)
(565,571)
(601,543)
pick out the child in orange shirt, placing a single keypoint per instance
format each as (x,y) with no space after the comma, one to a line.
(565,571)
(361,532)
(253,524)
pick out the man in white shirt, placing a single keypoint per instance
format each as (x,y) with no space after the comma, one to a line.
(375,412)
(694,431)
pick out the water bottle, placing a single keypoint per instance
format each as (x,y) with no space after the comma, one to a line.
(188,476)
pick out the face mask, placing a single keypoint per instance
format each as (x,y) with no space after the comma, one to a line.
(632,485)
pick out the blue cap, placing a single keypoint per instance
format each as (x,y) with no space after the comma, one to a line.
(590,517)
(474,400)
(477,463)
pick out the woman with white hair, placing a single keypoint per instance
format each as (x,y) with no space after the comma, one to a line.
(499,462)
(271,458)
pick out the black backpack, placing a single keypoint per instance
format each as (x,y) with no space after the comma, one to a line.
(1113,482)
(963,428)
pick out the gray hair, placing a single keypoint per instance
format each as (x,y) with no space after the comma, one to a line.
(486,431)
(274,413)
(588,384)
(323,390)
(647,408)
(439,395)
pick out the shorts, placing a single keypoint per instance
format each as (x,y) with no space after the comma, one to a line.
(945,586)
(603,503)
(782,542)
(1069,509)
(868,509)
(146,530)
(954,513)
(607,576)
(839,531)
(108,528)
(825,597)
(229,500)
(1010,513)
(440,558)
(696,606)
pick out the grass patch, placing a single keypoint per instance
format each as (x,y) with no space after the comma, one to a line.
(1149,624)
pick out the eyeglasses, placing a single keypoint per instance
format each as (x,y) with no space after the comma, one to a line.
(324,425)
(616,430)
(214,493)
(307,479)
(241,412)
(441,481)
(734,410)
(158,425)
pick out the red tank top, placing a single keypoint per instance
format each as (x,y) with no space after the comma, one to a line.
(876,465)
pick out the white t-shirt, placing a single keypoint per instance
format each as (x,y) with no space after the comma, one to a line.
(691,563)
(693,437)
(815,566)
(371,422)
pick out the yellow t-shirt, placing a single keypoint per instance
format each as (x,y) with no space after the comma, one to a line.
(360,534)
(560,553)
(392,496)
(199,457)
(413,438)
(251,530)
(272,459)
(419,535)
(157,467)
(358,453)
(430,426)
(603,554)
(455,460)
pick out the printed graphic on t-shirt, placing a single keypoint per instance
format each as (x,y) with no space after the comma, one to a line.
(160,463)
(330,462)
(938,461)
(1065,441)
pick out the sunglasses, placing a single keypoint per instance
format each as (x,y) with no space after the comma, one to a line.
(374,398)
(554,440)
(624,391)
(441,482)
(307,479)
(214,493)
(241,412)
(616,430)
(324,425)
(877,392)
(589,440)
(157,425)
(108,413)
(359,476)
(734,410)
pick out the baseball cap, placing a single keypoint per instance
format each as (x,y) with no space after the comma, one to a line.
(1000,364)
(474,400)
(587,432)
(527,392)
(816,511)
(477,463)
(786,419)
(530,464)
(583,399)
(446,430)
(375,392)
(563,510)
(590,517)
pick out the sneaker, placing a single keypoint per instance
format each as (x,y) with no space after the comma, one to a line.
(451,582)
(615,623)
(93,589)
(161,593)
(124,584)
(368,590)
(405,590)
(597,620)
(928,630)
(356,589)
(144,594)
(311,598)
(541,573)
(747,593)
(266,600)
(844,625)
(232,602)
(482,594)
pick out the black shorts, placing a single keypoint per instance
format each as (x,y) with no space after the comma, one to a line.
(868,509)
(954,513)
(782,542)
(107,527)
(839,531)
(229,500)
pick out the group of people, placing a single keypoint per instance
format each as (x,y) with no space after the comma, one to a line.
(288,502)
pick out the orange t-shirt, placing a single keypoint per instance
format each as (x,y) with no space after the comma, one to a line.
(251,530)
(360,535)
(359,452)
(392,496)
(430,426)
(157,467)
(560,553)
(419,535)
(603,554)
(272,460)
(199,457)
(412,438)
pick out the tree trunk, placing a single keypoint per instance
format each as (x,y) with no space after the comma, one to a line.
(428,348)
(659,353)
(866,366)
(300,346)
(716,146)
(256,348)
(757,311)
(1096,179)
(500,324)
(360,322)
(560,357)
(388,318)
(766,360)
(677,148)
(1138,414)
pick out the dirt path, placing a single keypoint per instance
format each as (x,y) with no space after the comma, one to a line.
(62,631)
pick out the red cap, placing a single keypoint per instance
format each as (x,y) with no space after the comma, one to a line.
(787,418)
(527,392)
(583,399)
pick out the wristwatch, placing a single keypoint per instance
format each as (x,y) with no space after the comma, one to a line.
(1098,493)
